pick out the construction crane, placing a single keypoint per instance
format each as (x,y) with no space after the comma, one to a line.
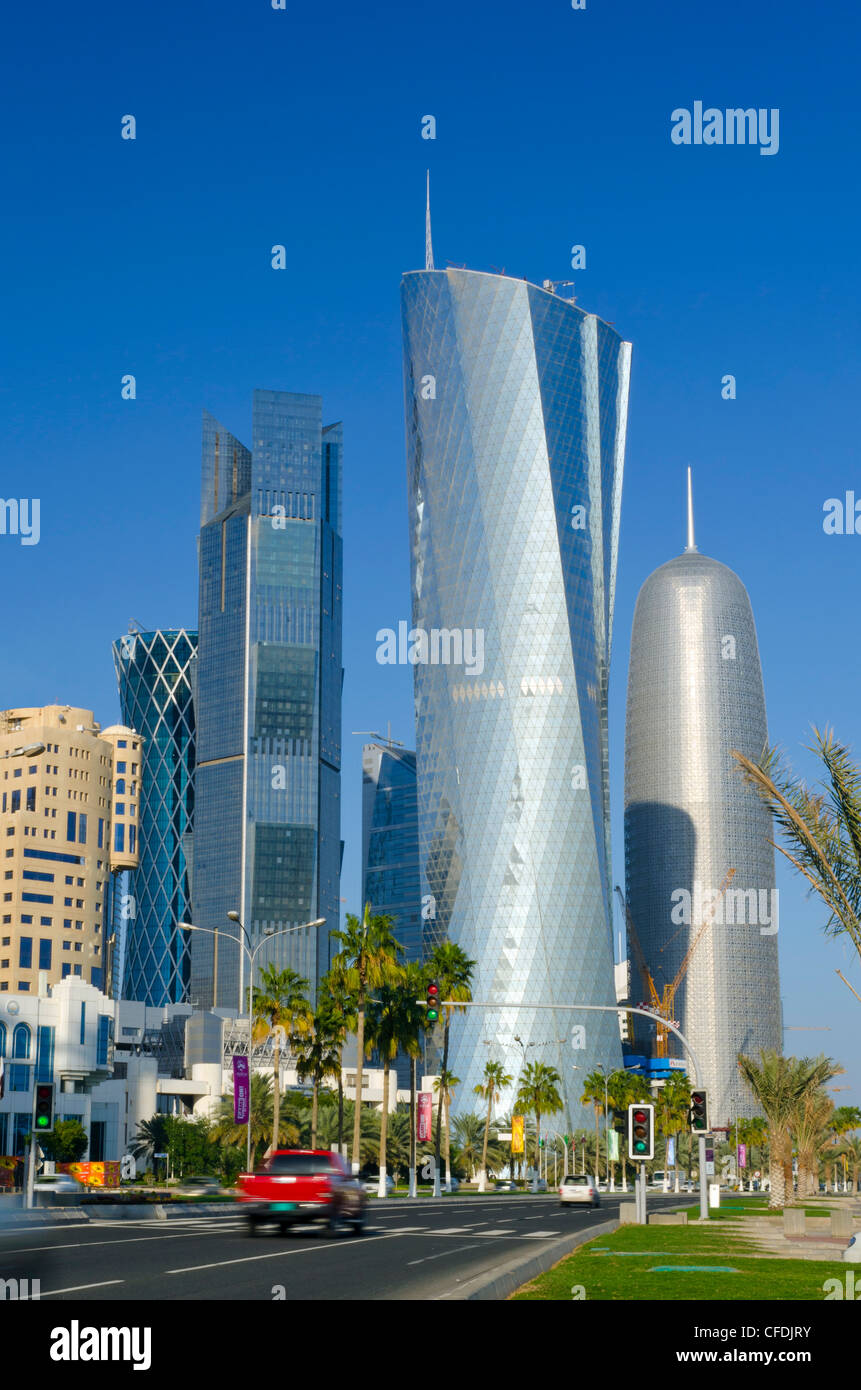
(663,1004)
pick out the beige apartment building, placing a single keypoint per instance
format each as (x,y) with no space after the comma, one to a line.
(69,807)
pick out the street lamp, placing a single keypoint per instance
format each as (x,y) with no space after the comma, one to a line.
(599,1066)
(29,750)
(251,952)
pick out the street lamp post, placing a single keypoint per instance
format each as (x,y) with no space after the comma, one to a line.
(31,750)
(600,1067)
(250,952)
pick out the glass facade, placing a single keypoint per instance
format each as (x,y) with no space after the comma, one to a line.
(695,693)
(154,678)
(516,406)
(391,882)
(268,693)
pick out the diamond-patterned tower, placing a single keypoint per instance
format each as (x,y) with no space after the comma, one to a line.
(154,672)
(516,405)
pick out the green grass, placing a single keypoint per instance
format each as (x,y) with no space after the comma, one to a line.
(625,1273)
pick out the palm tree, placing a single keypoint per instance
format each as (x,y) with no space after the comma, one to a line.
(444,1086)
(369,1117)
(408,1024)
(279,1004)
(595,1095)
(779,1083)
(452,969)
(226,1130)
(318,1055)
(368,958)
(821,829)
(539,1092)
(333,986)
(383,1034)
(151,1138)
(851,1147)
(810,1127)
(496,1080)
(845,1119)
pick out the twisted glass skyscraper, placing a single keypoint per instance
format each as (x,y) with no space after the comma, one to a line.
(268,700)
(695,693)
(154,677)
(516,406)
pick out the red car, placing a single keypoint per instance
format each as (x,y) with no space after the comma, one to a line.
(301,1185)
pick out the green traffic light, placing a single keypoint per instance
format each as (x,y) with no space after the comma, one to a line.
(42,1121)
(432,1015)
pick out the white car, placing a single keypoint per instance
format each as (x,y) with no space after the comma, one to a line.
(372,1185)
(59,1184)
(580,1187)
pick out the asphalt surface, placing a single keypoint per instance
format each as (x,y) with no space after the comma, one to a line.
(433,1249)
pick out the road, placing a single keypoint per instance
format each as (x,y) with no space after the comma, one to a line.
(433,1249)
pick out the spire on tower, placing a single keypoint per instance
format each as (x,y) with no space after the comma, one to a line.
(691,545)
(428,242)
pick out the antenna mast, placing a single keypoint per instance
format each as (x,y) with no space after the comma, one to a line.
(428,243)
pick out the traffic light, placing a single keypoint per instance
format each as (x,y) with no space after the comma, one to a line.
(44,1107)
(432,1002)
(641,1132)
(699,1112)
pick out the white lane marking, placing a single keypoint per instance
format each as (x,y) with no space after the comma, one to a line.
(499,1232)
(87,1244)
(76,1288)
(444,1253)
(539,1235)
(283,1254)
(451,1231)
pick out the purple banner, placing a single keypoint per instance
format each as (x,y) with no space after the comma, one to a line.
(241,1090)
(742,1155)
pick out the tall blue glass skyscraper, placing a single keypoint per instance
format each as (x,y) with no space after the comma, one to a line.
(268,699)
(516,408)
(391,881)
(154,677)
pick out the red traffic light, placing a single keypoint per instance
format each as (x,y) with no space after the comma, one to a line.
(433,989)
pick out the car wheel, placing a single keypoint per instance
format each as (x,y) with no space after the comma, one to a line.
(251,1226)
(359,1225)
(334,1226)
(285,1227)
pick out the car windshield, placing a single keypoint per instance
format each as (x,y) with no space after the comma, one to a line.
(300,1165)
(577,1180)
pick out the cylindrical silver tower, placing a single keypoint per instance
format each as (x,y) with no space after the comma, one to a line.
(695,693)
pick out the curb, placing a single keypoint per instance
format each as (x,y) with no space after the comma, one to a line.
(519,1271)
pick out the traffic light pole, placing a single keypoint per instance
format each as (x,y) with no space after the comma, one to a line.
(704,1190)
(29,1197)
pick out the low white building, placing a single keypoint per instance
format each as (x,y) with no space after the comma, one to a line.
(116,1063)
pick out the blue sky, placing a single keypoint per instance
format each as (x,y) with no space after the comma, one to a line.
(257,127)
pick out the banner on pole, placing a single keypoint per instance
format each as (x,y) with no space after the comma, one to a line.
(742,1155)
(425,1117)
(241,1090)
(613,1136)
(671,1152)
(517,1134)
